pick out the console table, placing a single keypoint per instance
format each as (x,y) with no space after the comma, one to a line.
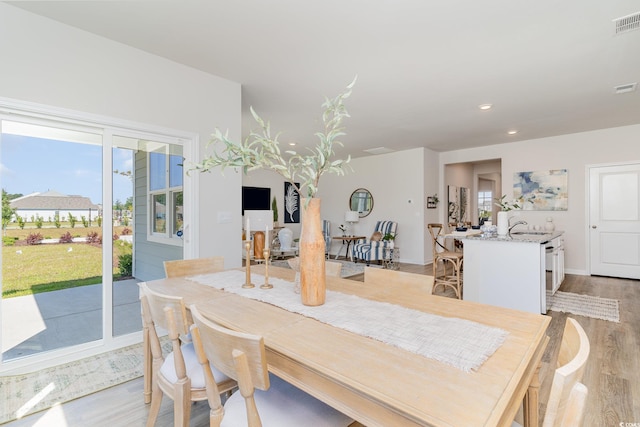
(346,240)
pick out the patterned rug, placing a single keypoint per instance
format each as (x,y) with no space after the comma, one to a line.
(349,268)
(584,305)
(28,393)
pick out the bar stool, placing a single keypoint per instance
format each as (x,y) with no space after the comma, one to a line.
(440,253)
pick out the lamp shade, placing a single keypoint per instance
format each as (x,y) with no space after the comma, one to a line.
(260,220)
(351,216)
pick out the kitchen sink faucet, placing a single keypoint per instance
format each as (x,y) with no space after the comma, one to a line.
(516,223)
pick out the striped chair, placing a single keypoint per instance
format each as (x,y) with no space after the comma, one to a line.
(368,250)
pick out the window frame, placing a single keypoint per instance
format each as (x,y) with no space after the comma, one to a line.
(167,237)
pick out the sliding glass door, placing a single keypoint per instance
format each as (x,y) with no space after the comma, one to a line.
(89,210)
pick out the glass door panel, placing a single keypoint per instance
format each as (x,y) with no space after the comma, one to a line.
(147,220)
(52,269)
(125,302)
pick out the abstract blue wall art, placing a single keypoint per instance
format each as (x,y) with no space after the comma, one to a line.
(542,190)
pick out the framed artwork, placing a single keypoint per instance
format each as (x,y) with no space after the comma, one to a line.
(453,204)
(291,204)
(465,204)
(542,190)
(431,202)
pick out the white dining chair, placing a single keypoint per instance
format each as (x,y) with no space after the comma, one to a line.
(178,375)
(567,400)
(191,267)
(242,357)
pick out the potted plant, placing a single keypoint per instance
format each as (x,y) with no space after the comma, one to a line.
(389,237)
(484,215)
(261,150)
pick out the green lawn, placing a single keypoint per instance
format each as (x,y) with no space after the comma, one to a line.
(33,269)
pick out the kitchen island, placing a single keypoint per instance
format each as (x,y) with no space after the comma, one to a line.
(507,271)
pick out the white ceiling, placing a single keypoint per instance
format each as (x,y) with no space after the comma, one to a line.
(423,66)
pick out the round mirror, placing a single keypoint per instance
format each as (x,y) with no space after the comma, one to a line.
(361,201)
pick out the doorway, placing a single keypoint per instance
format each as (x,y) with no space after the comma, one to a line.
(614,220)
(483,178)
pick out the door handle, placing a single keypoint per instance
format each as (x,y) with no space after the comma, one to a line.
(594,226)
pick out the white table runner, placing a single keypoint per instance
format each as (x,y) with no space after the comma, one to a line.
(457,342)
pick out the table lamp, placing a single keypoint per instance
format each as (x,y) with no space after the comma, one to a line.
(351,217)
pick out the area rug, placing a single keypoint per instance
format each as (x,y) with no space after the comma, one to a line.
(584,305)
(21,395)
(349,268)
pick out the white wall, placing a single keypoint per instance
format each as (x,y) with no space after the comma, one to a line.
(574,152)
(400,184)
(49,63)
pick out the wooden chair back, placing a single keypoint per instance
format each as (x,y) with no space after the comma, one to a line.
(399,280)
(192,267)
(332,268)
(574,413)
(565,399)
(240,356)
(150,330)
(434,231)
(167,311)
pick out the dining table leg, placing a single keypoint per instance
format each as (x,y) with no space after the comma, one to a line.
(531,398)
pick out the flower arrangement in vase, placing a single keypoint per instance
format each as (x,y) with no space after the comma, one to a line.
(506,205)
(261,150)
(503,216)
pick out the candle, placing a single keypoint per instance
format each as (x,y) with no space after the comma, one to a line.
(266,235)
(248,227)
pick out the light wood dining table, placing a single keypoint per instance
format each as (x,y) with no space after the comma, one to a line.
(378,384)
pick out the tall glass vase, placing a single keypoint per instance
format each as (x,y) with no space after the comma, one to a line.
(312,262)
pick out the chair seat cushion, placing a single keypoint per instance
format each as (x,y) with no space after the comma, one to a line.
(449,254)
(194,369)
(283,405)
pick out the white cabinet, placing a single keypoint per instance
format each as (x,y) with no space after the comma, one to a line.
(555,263)
(506,274)
(510,271)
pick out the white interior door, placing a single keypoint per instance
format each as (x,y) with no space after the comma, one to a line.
(614,220)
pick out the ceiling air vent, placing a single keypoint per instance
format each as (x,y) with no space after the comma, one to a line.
(625,88)
(627,23)
(378,150)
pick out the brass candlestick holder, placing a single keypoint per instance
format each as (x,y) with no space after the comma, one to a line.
(266,253)
(247,248)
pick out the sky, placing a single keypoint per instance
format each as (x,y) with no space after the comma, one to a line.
(29,165)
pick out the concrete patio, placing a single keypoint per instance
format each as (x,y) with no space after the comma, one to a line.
(51,320)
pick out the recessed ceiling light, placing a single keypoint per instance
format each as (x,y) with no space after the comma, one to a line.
(293,144)
(485,106)
(512,132)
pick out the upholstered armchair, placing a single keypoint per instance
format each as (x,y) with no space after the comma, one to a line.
(372,249)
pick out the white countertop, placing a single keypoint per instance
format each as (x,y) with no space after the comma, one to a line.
(539,237)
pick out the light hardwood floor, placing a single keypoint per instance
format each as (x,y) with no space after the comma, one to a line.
(612,374)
